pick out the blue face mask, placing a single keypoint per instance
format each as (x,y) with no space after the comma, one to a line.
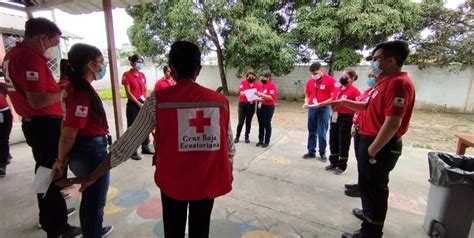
(371,81)
(375,67)
(100,75)
(139,66)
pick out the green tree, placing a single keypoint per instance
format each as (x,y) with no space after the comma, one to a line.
(449,42)
(337,31)
(243,34)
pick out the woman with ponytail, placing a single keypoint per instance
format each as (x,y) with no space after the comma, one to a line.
(83,141)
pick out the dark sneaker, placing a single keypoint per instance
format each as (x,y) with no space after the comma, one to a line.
(106,230)
(147,151)
(339,171)
(356,234)
(73,232)
(136,157)
(259,144)
(359,213)
(236,140)
(355,192)
(247,140)
(330,167)
(65,195)
(3,171)
(9,159)
(265,145)
(309,156)
(351,186)
(71,211)
(323,158)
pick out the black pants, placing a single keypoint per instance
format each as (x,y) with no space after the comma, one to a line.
(6,122)
(340,140)
(175,213)
(42,135)
(373,182)
(132,111)
(246,112)
(264,116)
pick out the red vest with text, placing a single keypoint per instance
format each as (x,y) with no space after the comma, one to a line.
(192,160)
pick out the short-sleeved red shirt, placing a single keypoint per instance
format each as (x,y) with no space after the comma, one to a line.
(78,114)
(358,115)
(270,89)
(393,96)
(164,83)
(137,83)
(245,85)
(350,92)
(26,70)
(3,96)
(320,90)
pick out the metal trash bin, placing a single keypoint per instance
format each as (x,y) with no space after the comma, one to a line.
(450,208)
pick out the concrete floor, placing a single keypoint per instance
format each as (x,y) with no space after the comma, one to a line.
(275,194)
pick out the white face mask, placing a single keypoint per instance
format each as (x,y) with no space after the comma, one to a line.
(316,76)
(52,52)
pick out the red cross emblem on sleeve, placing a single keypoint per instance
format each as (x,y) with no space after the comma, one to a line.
(199,122)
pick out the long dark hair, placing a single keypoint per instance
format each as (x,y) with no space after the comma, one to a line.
(76,68)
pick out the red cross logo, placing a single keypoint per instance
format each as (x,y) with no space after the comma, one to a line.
(32,74)
(82,109)
(200,122)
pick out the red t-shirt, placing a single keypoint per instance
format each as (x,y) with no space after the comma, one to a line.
(358,115)
(27,71)
(393,96)
(137,84)
(3,96)
(78,114)
(320,90)
(164,83)
(270,89)
(350,93)
(245,85)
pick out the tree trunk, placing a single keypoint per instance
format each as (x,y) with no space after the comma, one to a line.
(330,63)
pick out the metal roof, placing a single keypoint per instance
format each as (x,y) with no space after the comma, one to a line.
(14,24)
(74,7)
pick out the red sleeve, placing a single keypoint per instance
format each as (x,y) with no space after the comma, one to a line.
(125,80)
(241,87)
(77,110)
(35,75)
(157,86)
(308,88)
(355,94)
(332,85)
(275,92)
(397,97)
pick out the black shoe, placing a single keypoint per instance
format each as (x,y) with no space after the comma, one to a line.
(236,140)
(265,145)
(65,195)
(359,213)
(136,157)
(147,151)
(72,232)
(247,140)
(3,171)
(259,144)
(309,156)
(351,186)
(354,192)
(106,230)
(356,234)
(330,167)
(71,211)
(9,159)
(323,158)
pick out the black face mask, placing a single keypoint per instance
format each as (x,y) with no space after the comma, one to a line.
(264,81)
(251,80)
(343,80)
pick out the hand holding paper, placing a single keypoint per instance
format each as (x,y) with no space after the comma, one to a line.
(250,94)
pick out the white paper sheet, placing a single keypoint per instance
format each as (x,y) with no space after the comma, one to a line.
(250,94)
(42,180)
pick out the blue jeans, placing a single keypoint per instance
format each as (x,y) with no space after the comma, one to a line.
(264,115)
(318,123)
(86,154)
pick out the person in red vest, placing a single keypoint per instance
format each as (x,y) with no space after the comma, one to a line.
(246,108)
(134,82)
(386,119)
(36,97)
(166,81)
(6,123)
(341,124)
(265,109)
(194,157)
(83,141)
